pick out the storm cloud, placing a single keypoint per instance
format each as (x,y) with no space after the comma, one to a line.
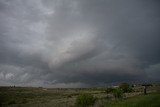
(79,43)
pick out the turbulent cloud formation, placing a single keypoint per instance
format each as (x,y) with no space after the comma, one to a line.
(79,43)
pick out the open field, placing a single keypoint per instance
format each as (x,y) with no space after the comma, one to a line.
(150,100)
(42,97)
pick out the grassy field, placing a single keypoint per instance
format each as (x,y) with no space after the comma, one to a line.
(36,97)
(150,100)
(42,97)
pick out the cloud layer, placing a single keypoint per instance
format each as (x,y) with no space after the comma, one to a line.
(79,43)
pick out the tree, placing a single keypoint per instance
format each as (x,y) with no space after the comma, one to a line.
(145,87)
(125,87)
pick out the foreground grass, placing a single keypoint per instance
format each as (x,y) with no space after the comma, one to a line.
(150,100)
(34,97)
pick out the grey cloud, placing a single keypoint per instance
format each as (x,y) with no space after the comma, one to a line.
(78,43)
(153,72)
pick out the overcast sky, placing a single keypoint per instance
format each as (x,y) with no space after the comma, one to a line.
(79,43)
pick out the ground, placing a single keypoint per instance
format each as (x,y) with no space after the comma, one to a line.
(43,97)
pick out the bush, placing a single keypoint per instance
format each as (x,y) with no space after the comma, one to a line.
(125,88)
(118,93)
(85,100)
(109,90)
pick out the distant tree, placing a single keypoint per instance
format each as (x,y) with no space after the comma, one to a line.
(125,87)
(145,88)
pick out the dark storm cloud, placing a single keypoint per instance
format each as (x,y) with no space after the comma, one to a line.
(78,43)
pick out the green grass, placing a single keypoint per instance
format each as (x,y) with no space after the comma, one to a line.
(150,100)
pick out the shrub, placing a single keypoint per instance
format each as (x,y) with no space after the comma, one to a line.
(109,90)
(85,100)
(125,88)
(118,93)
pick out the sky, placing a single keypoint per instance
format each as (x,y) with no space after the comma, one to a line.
(79,43)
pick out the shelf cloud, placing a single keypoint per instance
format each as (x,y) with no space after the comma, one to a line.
(79,43)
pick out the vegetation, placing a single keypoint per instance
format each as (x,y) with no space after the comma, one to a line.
(125,87)
(109,90)
(23,96)
(109,97)
(85,100)
(150,100)
(118,93)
